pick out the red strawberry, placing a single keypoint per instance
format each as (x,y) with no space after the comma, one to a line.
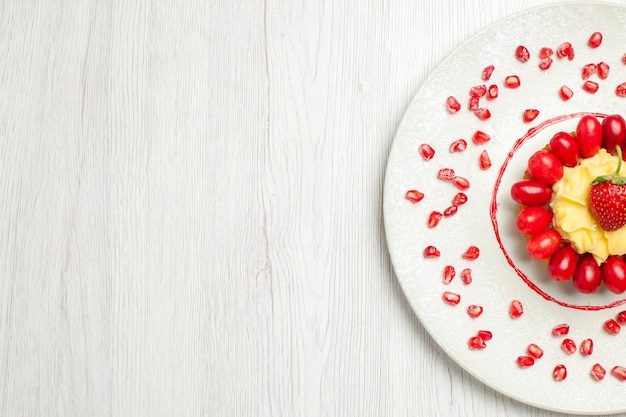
(607,198)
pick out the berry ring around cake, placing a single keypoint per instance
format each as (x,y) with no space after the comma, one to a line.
(572,205)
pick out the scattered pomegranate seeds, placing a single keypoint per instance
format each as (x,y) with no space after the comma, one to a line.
(492,92)
(619,372)
(459,199)
(484,160)
(485,335)
(530,115)
(512,81)
(414,196)
(612,327)
(480,137)
(590,86)
(560,330)
(559,373)
(516,309)
(486,75)
(568,346)
(588,70)
(431,252)
(434,218)
(426,151)
(453,104)
(598,372)
(461,183)
(525,361)
(448,274)
(450,211)
(545,52)
(446,174)
(620,90)
(595,40)
(565,92)
(482,113)
(522,54)
(621,317)
(466,276)
(451,298)
(603,70)
(478,91)
(565,50)
(586,347)
(534,351)
(458,145)
(471,253)
(474,311)
(476,342)
(545,63)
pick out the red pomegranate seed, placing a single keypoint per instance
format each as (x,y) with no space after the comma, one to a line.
(480,137)
(459,199)
(458,145)
(565,50)
(486,75)
(530,115)
(560,330)
(522,54)
(451,298)
(620,90)
(559,373)
(545,63)
(476,342)
(482,113)
(492,92)
(568,346)
(484,160)
(516,309)
(590,86)
(414,196)
(603,70)
(478,91)
(566,93)
(619,372)
(534,351)
(612,327)
(586,347)
(466,276)
(426,151)
(446,174)
(621,317)
(431,252)
(589,70)
(473,103)
(598,372)
(474,311)
(512,81)
(450,211)
(471,253)
(461,183)
(453,104)
(545,52)
(485,335)
(595,40)
(448,274)
(434,218)
(525,361)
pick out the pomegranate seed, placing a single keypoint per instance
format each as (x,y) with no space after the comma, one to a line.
(434,218)
(480,137)
(590,86)
(453,104)
(566,93)
(461,183)
(612,327)
(545,52)
(471,253)
(450,211)
(522,54)
(426,151)
(530,115)
(516,309)
(474,311)
(446,174)
(484,160)
(487,72)
(458,145)
(603,70)
(586,347)
(482,113)
(448,274)
(476,342)
(525,361)
(595,40)
(563,50)
(589,70)
(492,92)
(478,91)
(466,276)
(473,103)
(621,317)
(568,346)
(414,196)
(431,252)
(559,373)
(560,330)
(459,199)
(485,335)
(512,81)
(451,298)
(545,63)
(534,351)
(619,372)
(620,90)
(598,372)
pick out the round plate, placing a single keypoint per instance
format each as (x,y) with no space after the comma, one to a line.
(503,271)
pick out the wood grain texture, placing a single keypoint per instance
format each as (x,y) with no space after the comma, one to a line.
(190,211)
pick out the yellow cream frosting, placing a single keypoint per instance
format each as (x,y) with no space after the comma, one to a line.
(572,217)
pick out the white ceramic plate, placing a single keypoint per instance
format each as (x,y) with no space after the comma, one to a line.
(495,282)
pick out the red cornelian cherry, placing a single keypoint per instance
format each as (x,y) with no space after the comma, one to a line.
(453,104)
(516,309)
(586,347)
(614,274)
(587,276)
(559,373)
(545,166)
(414,196)
(531,192)
(448,274)
(480,137)
(613,133)
(565,147)
(487,71)
(619,372)
(451,298)
(434,218)
(466,276)
(486,335)
(544,244)
(598,372)
(474,310)
(565,92)
(588,136)
(595,39)
(512,81)
(533,219)
(476,342)
(560,329)
(471,253)
(612,327)
(426,151)
(431,252)
(534,351)
(525,361)
(562,264)
(568,346)
(484,161)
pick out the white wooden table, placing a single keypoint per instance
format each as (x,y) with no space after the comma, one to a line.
(190,208)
